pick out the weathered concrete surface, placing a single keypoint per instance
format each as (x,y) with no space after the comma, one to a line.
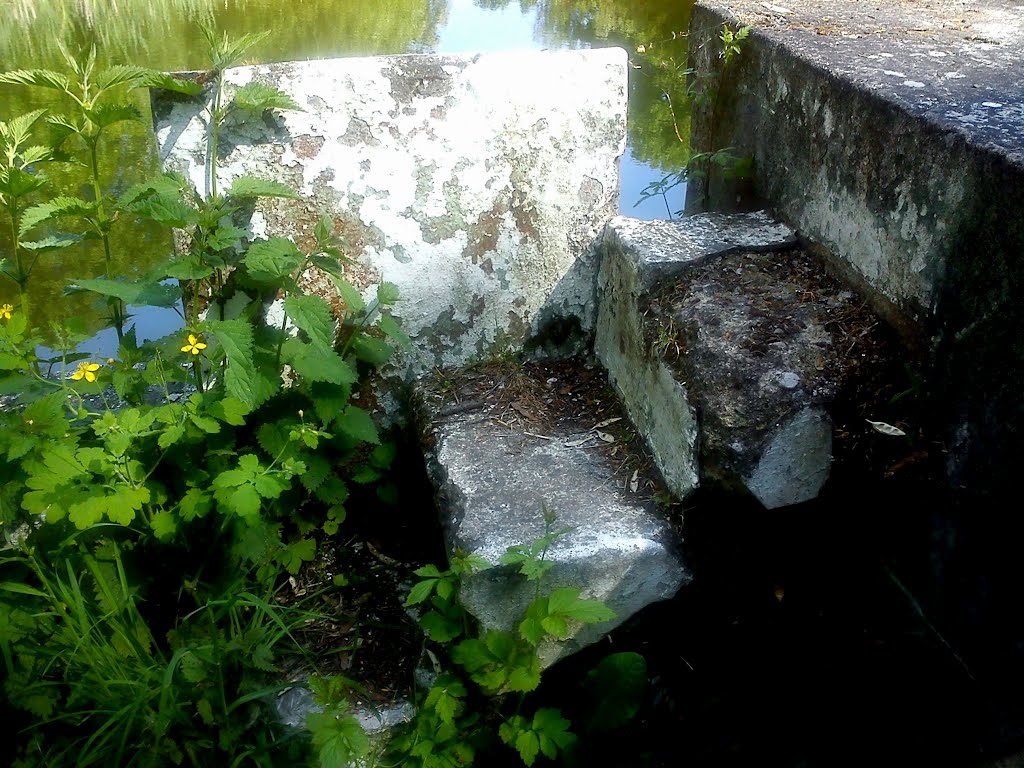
(636,256)
(765,342)
(493,483)
(475,183)
(893,134)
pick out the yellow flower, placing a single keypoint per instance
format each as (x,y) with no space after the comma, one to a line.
(86,370)
(5,312)
(195,345)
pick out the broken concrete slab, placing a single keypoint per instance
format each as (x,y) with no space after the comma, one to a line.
(474,183)
(764,343)
(637,255)
(504,447)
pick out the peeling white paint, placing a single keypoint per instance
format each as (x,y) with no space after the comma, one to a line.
(460,174)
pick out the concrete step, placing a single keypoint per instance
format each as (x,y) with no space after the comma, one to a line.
(728,344)
(892,134)
(505,442)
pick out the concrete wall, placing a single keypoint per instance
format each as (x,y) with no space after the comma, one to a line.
(879,146)
(475,183)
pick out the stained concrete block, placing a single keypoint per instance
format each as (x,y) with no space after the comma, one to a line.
(637,256)
(493,483)
(474,183)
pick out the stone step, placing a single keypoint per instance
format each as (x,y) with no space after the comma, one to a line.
(728,345)
(504,443)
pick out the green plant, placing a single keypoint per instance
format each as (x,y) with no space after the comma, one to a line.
(97,104)
(229,457)
(503,666)
(704,87)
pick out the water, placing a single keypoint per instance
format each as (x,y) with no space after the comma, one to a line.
(164,34)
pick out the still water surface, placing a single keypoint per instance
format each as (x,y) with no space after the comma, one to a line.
(164,34)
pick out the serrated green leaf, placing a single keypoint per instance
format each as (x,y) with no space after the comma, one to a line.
(272,260)
(314,365)
(525,677)
(527,746)
(59,206)
(387,293)
(164,525)
(121,74)
(297,553)
(357,423)
(52,243)
(312,315)
(392,330)
(171,211)
(256,97)
(243,500)
(106,115)
(338,740)
(440,628)
(240,378)
(421,591)
(248,186)
(44,78)
(352,298)
(371,350)
(166,82)
(195,503)
(590,611)
(555,626)
(188,268)
(553,731)
(230,410)
(224,237)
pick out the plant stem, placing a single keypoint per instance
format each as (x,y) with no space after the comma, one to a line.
(116,306)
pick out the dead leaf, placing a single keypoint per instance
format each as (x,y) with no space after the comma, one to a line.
(577,443)
(886,429)
(606,422)
(634,481)
(605,436)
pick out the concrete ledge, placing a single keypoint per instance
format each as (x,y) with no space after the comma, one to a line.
(636,256)
(894,136)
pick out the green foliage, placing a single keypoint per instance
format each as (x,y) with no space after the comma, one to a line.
(502,666)
(146,544)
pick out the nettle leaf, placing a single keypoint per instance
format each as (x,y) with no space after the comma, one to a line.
(257,97)
(109,114)
(349,294)
(249,186)
(166,82)
(272,260)
(169,210)
(297,553)
(337,740)
(44,78)
(390,327)
(371,350)
(121,74)
(421,591)
(59,206)
(387,293)
(312,314)
(240,378)
(357,423)
(224,237)
(18,183)
(315,364)
(331,266)
(52,243)
(190,267)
